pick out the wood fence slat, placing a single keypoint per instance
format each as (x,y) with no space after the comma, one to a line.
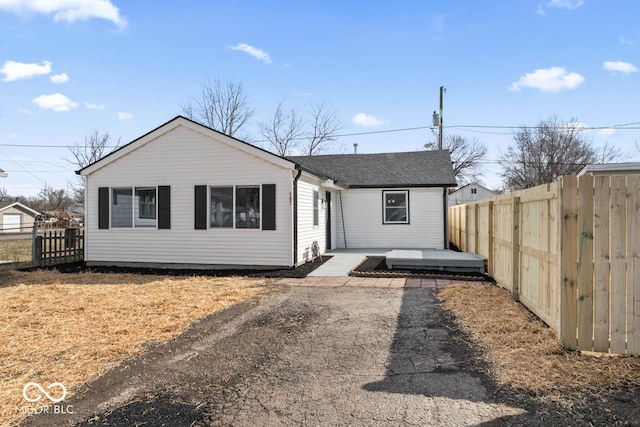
(618,259)
(569,261)
(515,248)
(585,262)
(601,265)
(491,261)
(633,265)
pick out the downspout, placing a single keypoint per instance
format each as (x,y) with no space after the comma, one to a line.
(295,216)
(344,231)
(445,212)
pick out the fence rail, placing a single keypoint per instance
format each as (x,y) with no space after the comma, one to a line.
(569,251)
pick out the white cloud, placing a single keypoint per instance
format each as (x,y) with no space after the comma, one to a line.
(124,116)
(17,70)
(606,132)
(55,102)
(90,106)
(367,120)
(620,67)
(59,78)
(626,41)
(255,52)
(437,23)
(565,4)
(558,4)
(553,79)
(67,10)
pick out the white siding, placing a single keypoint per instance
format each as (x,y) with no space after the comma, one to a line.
(183,158)
(362,209)
(307,232)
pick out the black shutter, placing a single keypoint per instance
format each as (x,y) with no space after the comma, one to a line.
(200,192)
(268,206)
(164,207)
(103,208)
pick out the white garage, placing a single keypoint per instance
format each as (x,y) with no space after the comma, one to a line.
(16,217)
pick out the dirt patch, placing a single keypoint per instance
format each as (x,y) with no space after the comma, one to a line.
(377,267)
(70,328)
(528,364)
(296,273)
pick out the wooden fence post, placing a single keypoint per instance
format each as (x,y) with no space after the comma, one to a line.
(515,239)
(585,262)
(490,261)
(568,260)
(476,231)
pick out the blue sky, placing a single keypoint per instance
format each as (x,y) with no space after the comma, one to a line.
(68,67)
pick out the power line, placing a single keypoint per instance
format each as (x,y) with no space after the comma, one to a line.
(624,126)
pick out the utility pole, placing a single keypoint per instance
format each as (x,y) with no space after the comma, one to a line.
(442,90)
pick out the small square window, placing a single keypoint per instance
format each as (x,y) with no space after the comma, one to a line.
(395,207)
(474,190)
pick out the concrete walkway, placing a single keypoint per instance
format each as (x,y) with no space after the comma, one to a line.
(370,282)
(344,260)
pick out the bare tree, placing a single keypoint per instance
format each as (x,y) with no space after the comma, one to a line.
(95,146)
(283,131)
(551,149)
(52,199)
(4,195)
(220,106)
(467,156)
(323,127)
(288,133)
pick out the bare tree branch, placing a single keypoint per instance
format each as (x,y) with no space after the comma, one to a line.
(283,130)
(552,149)
(4,195)
(221,106)
(95,146)
(467,156)
(324,125)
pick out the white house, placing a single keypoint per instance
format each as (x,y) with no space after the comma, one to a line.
(16,217)
(470,193)
(185,195)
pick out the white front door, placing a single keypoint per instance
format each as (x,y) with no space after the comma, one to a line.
(11,223)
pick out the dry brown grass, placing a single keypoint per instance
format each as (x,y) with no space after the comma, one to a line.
(70,328)
(524,353)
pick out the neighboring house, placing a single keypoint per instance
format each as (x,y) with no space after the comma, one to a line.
(611,169)
(470,193)
(185,195)
(3,174)
(16,217)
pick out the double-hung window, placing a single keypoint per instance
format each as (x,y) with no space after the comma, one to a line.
(235,207)
(395,207)
(134,207)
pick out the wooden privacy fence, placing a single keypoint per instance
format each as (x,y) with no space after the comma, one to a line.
(569,251)
(58,247)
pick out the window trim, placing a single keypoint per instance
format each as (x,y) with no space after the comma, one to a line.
(384,207)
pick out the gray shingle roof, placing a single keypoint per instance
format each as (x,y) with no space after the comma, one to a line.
(412,169)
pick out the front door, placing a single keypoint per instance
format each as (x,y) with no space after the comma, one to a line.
(328,226)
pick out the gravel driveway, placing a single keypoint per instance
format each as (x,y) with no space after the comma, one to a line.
(300,356)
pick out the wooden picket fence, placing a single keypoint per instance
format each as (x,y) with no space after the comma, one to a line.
(569,251)
(58,247)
